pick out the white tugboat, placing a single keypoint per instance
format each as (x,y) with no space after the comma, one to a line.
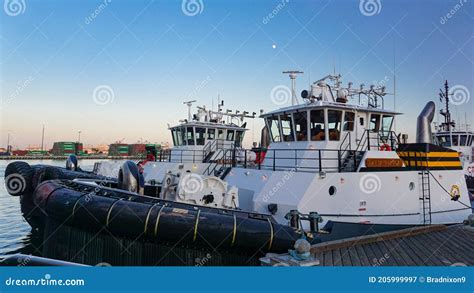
(458,139)
(334,155)
(333,161)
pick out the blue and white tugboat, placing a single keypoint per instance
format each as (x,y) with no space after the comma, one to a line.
(329,167)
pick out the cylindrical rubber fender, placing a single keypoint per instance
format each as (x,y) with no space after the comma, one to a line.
(18,177)
(183,225)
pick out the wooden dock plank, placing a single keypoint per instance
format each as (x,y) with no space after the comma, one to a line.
(336,257)
(355,260)
(392,254)
(427,257)
(434,245)
(405,246)
(402,258)
(462,254)
(371,256)
(450,240)
(445,252)
(346,258)
(364,260)
(463,238)
(328,258)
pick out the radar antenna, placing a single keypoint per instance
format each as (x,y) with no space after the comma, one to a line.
(189,104)
(293,74)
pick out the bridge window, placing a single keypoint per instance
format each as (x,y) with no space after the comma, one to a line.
(287,127)
(272,123)
(200,135)
(374,122)
(173,135)
(230,135)
(317,127)
(387,123)
(239,136)
(220,134)
(334,124)
(182,134)
(349,121)
(190,136)
(211,133)
(178,136)
(463,140)
(444,140)
(301,125)
(455,139)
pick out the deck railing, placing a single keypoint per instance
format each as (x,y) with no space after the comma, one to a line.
(303,160)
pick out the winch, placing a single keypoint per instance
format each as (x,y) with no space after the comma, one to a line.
(197,189)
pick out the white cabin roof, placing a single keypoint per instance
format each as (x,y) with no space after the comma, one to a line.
(327,104)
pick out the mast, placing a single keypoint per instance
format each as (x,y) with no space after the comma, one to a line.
(448,123)
(8,143)
(42,139)
(292,74)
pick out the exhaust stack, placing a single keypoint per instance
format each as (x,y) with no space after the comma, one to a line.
(423,124)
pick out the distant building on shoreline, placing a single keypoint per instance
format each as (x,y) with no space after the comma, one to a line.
(66,148)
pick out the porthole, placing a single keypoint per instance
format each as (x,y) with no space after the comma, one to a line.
(332,190)
(411,186)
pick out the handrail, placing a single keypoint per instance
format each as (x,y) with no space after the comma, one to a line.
(299,159)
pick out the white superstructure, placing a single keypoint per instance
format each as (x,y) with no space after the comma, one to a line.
(335,154)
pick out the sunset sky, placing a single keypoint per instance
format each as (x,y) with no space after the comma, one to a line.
(121,69)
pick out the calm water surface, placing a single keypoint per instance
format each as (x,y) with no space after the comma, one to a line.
(16,236)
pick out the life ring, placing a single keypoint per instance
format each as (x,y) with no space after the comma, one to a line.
(455,193)
(385,147)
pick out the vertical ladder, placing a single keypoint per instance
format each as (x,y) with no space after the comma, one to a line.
(425,197)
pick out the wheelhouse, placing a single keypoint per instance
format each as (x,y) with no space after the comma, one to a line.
(326,124)
(455,139)
(199,134)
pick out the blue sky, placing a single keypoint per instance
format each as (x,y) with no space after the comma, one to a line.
(154,55)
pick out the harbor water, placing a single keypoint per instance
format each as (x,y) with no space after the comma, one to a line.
(16,236)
